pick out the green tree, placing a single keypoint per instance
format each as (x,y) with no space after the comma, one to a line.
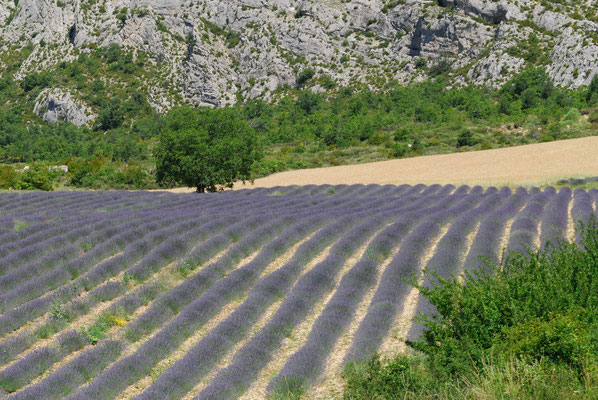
(111,115)
(592,95)
(206,148)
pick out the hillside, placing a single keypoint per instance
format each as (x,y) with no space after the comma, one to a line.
(90,88)
(212,52)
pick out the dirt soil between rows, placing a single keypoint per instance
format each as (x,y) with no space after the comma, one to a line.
(529,165)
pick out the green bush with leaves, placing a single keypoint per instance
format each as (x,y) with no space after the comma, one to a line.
(525,330)
(466,138)
(37,177)
(304,76)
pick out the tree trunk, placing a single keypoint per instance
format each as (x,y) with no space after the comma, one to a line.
(201,189)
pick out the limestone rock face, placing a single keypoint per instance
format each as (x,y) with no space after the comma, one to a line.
(219,51)
(574,59)
(53,105)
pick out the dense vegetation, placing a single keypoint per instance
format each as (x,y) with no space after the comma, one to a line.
(300,128)
(528,330)
(206,149)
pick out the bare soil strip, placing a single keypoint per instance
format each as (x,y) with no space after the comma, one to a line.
(538,240)
(469,243)
(504,241)
(570,234)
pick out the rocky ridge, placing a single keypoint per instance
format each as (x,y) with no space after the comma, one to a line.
(213,52)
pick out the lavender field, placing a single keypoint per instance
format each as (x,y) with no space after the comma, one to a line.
(240,294)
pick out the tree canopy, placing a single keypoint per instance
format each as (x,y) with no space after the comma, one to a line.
(206,148)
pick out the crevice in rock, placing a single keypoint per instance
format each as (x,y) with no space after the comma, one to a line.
(72,34)
(415,46)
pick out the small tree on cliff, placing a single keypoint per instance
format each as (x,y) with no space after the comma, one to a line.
(206,148)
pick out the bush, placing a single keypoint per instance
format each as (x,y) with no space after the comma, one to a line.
(8,177)
(527,329)
(34,80)
(304,76)
(441,67)
(401,135)
(101,173)
(592,94)
(36,178)
(111,116)
(308,101)
(396,379)
(473,314)
(571,118)
(421,63)
(562,338)
(399,150)
(466,138)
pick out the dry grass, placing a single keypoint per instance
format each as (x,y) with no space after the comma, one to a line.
(532,164)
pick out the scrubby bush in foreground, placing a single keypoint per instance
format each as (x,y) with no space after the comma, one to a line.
(526,330)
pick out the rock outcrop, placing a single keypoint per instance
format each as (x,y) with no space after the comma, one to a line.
(53,105)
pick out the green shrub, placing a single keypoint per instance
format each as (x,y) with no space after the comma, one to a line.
(466,138)
(527,329)
(421,63)
(528,287)
(111,116)
(399,150)
(441,67)
(35,79)
(37,177)
(304,76)
(401,377)
(571,118)
(592,94)
(401,135)
(569,338)
(8,177)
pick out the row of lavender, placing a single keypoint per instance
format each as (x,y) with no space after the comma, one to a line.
(164,266)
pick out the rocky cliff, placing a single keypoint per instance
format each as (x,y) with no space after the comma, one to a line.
(214,51)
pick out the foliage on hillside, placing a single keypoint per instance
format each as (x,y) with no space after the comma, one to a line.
(302,129)
(528,330)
